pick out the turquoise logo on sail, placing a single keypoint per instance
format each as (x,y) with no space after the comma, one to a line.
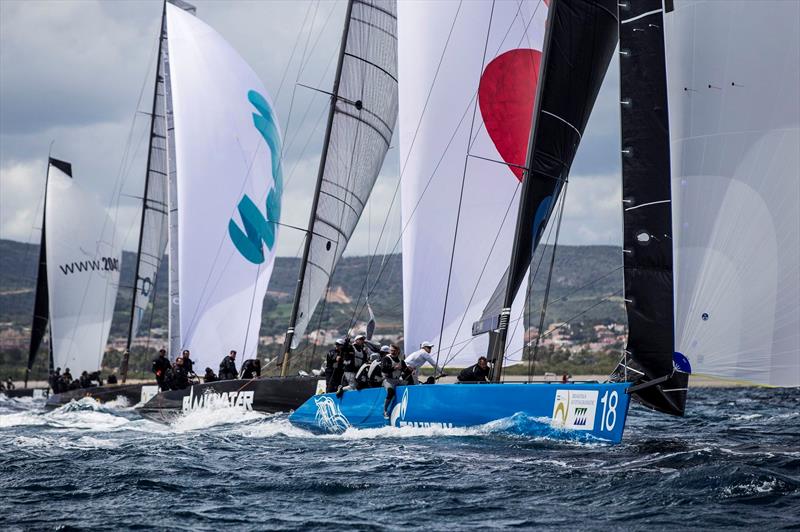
(260,229)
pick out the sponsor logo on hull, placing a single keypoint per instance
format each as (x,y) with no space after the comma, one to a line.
(574,409)
(329,416)
(212,399)
(398,417)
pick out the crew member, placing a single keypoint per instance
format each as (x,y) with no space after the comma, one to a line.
(9,384)
(210,376)
(350,365)
(112,379)
(188,363)
(160,367)
(179,378)
(334,366)
(251,368)
(392,367)
(362,349)
(476,373)
(54,380)
(419,358)
(85,380)
(227,368)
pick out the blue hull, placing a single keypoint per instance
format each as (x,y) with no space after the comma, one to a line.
(581,411)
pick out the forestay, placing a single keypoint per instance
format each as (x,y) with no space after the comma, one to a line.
(477,80)
(361,126)
(83,265)
(733,84)
(229,186)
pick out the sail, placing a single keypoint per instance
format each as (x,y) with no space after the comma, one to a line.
(361,126)
(154,220)
(41,301)
(468,74)
(83,265)
(647,208)
(228,190)
(733,78)
(581,41)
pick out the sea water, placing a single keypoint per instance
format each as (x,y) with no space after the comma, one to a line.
(732,462)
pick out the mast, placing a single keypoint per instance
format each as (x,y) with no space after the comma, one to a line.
(131,332)
(287,345)
(41,310)
(583,34)
(497,339)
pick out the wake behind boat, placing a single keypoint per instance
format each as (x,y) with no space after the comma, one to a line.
(131,393)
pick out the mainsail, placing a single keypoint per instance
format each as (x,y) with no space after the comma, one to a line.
(468,75)
(83,264)
(733,80)
(647,208)
(154,220)
(360,127)
(225,198)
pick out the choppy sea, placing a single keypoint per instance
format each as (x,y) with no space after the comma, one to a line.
(732,462)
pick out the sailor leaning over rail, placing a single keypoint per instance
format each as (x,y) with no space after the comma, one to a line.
(419,358)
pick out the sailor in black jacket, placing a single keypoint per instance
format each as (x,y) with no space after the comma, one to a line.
(161,366)
(393,368)
(227,368)
(476,373)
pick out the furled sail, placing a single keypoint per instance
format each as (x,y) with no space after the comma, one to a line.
(360,128)
(733,79)
(647,209)
(228,189)
(83,265)
(468,74)
(580,43)
(154,220)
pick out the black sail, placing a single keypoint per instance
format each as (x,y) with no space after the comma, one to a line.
(580,40)
(647,210)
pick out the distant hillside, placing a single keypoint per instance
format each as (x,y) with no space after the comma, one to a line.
(586,289)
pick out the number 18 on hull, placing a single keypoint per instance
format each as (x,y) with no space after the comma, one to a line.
(580,411)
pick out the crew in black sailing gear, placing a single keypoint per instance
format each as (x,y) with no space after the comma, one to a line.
(333,367)
(112,379)
(363,350)
(161,366)
(251,368)
(55,380)
(210,376)
(350,365)
(179,377)
(85,380)
(369,375)
(476,373)
(9,384)
(393,368)
(188,364)
(227,368)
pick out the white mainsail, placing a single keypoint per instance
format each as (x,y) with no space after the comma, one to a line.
(477,80)
(228,186)
(734,105)
(83,264)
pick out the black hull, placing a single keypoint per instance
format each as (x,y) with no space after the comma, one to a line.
(265,394)
(131,392)
(26,392)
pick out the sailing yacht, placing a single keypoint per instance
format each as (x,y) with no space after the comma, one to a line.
(78,277)
(710,206)
(214,306)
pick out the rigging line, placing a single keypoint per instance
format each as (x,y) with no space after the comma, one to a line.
(250,317)
(291,56)
(461,193)
(319,36)
(568,321)
(532,366)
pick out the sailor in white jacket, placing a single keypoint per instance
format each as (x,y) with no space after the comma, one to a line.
(417,359)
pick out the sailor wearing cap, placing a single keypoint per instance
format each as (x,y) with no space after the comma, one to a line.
(419,358)
(362,349)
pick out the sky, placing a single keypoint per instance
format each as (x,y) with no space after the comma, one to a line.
(76,79)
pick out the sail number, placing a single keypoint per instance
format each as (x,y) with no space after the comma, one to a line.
(609,417)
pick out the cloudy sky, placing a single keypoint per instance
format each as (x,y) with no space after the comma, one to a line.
(79,75)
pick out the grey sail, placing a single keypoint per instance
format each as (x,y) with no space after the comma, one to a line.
(360,128)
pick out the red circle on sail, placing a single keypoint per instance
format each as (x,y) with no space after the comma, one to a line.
(505,95)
